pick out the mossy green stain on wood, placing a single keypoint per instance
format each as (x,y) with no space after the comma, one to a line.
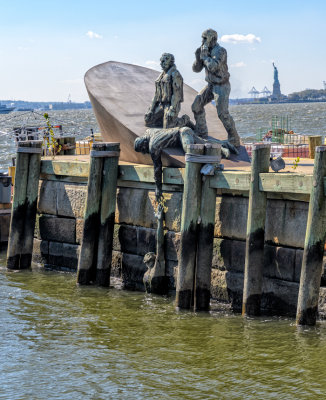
(285,183)
(65,168)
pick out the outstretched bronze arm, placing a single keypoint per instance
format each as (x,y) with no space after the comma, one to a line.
(158,170)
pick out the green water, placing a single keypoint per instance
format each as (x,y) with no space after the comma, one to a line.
(59,341)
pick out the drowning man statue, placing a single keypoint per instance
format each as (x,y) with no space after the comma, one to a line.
(156,140)
(213,58)
(166,104)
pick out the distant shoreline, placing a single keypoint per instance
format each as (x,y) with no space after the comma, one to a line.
(233,102)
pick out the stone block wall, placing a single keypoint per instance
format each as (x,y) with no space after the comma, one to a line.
(59,230)
(4,225)
(59,223)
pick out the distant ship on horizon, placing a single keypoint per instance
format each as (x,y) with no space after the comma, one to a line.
(5,110)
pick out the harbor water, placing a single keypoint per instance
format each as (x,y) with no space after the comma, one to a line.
(306,118)
(61,341)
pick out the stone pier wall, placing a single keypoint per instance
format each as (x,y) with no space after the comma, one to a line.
(59,228)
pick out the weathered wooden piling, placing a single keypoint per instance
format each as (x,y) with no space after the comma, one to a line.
(108,202)
(189,229)
(98,224)
(312,261)
(31,206)
(255,237)
(22,224)
(206,237)
(313,142)
(86,272)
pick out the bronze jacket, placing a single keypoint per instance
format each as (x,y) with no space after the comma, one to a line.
(216,69)
(169,87)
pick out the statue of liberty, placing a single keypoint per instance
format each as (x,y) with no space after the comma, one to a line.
(276,85)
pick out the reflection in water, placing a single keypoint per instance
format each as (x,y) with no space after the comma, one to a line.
(60,341)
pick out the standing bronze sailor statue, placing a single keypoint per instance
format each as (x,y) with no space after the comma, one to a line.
(213,58)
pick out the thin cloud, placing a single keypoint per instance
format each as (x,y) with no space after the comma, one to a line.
(93,35)
(152,63)
(239,64)
(238,38)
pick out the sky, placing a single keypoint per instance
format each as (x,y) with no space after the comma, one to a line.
(46,47)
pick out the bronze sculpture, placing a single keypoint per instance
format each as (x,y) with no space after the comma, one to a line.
(167,130)
(121,94)
(156,140)
(166,103)
(155,279)
(171,131)
(213,58)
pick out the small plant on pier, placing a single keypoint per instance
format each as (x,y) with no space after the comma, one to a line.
(296,163)
(51,143)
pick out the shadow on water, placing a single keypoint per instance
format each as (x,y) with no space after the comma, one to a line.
(60,341)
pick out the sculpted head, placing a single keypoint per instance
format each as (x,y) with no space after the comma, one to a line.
(141,145)
(149,260)
(167,60)
(209,38)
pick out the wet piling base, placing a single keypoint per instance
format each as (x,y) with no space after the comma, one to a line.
(86,271)
(186,269)
(204,265)
(158,285)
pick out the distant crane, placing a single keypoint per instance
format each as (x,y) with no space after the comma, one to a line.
(266,92)
(69,98)
(324,83)
(254,92)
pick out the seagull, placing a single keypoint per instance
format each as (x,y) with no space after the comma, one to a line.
(277,164)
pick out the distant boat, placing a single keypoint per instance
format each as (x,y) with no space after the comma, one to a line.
(5,110)
(24,109)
